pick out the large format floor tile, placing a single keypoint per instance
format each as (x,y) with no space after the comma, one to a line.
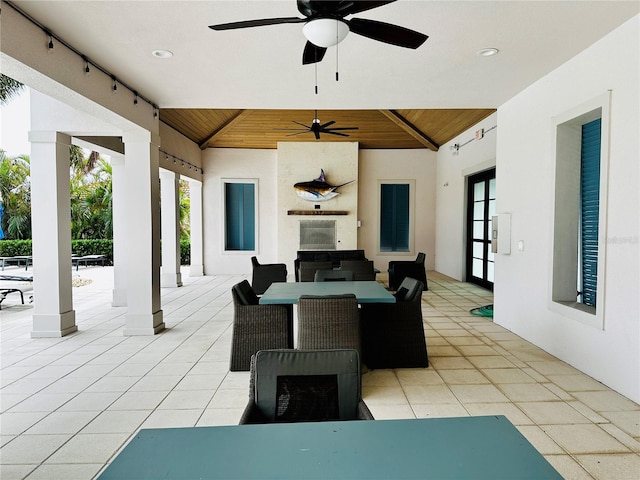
(69,404)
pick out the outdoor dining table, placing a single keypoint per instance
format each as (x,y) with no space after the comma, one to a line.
(290,292)
(487,447)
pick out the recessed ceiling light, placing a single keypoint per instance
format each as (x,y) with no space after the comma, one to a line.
(162,54)
(488,52)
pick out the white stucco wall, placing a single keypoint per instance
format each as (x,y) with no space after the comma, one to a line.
(230,163)
(302,162)
(278,243)
(418,165)
(525,173)
(451,184)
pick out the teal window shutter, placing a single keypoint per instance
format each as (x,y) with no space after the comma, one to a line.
(240,216)
(394,217)
(590,210)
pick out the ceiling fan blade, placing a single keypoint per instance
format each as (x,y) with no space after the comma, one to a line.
(298,133)
(312,53)
(387,33)
(349,8)
(317,134)
(293,129)
(257,23)
(302,125)
(336,133)
(327,124)
(340,128)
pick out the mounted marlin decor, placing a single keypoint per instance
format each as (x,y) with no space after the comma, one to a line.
(317,190)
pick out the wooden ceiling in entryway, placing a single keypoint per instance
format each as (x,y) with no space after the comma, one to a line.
(377,129)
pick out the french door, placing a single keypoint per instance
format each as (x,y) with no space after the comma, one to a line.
(481,206)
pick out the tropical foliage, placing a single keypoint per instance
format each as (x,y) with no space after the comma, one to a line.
(91,200)
(91,196)
(9,88)
(15,196)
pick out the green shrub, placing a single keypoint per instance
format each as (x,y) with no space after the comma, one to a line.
(14,248)
(93,247)
(185,252)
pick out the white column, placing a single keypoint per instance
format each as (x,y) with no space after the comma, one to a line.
(196,268)
(53,314)
(120,240)
(170,229)
(144,314)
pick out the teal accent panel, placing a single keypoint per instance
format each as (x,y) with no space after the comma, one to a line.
(394,217)
(240,216)
(590,209)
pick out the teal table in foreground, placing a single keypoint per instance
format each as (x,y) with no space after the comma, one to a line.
(463,448)
(289,292)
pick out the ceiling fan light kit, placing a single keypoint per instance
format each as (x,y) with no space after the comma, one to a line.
(325,32)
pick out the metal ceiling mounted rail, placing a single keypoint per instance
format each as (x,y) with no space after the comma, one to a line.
(184,163)
(480,133)
(88,63)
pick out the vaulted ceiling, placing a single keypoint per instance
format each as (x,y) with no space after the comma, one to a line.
(376,129)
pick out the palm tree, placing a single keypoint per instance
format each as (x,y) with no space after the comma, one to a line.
(9,88)
(185,206)
(81,165)
(15,196)
(91,200)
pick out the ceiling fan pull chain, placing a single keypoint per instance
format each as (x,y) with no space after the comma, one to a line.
(337,42)
(315,65)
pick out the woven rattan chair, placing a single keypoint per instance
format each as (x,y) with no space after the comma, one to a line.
(400,269)
(329,321)
(333,276)
(264,275)
(362,269)
(305,385)
(393,333)
(257,327)
(307,270)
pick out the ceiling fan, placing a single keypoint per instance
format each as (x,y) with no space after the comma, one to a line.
(316,128)
(326,25)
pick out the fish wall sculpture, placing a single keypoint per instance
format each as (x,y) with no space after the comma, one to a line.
(318,190)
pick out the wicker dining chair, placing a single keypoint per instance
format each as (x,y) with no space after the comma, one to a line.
(393,333)
(333,276)
(362,269)
(305,385)
(329,321)
(264,274)
(307,270)
(400,269)
(257,327)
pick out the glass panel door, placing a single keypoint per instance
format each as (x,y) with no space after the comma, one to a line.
(480,209)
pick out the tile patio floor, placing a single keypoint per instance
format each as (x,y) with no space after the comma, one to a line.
(69,404)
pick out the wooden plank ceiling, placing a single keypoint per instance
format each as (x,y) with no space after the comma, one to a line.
(377,129)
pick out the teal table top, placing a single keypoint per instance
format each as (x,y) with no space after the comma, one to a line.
(289,292)
(462,448)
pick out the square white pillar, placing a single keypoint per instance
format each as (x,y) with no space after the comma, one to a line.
(170,229)
(144,315)
(196,268)
(120,240)
(51,229)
